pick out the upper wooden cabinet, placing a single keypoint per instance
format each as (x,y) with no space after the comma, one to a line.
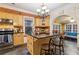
(47,21)
(18,19)
(38,21)
(2,15)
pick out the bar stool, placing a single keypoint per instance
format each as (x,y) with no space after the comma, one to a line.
(58,44)
(47,48)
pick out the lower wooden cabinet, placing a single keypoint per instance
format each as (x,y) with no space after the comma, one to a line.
(18,39)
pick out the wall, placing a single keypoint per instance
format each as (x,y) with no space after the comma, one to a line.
(72,10)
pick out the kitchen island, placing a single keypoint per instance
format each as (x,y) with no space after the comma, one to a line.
(34,42)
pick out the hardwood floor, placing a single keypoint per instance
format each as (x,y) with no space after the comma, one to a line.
(22,50)
(70,49)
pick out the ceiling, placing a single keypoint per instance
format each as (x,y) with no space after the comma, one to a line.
(33,6)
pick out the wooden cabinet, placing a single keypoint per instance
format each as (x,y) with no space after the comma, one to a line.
(42,29)
(18,19)
(18,39)
(2,15)
(47,21)
(30,43)
(38,21)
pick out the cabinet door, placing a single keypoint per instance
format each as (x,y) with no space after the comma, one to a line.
(30,41)
(15,19)
(47,21)
(18,39)
(9,16)
(30,44)
(20,19)
(37,21)
(2,15)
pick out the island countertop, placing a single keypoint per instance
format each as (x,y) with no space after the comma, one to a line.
(41,36)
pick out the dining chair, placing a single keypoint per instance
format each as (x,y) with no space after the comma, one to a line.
(58,43)
(47,48)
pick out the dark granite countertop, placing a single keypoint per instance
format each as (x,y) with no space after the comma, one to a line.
(41,36)
(18,32)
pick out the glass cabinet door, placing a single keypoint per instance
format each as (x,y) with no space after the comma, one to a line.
(56,27)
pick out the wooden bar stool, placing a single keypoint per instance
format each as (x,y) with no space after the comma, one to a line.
(47,48)
(58,44)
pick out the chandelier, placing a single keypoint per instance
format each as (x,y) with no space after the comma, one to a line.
(43,11)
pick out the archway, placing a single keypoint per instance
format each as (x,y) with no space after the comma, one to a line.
(69,26)
(64,19)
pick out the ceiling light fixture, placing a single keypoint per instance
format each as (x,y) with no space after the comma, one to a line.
(72,20)
(44,7)
(47,10)
(43,11)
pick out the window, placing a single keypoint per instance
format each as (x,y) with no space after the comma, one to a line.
(68,28)
(75,28)
(28,25)
(56,27)
(71,28)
